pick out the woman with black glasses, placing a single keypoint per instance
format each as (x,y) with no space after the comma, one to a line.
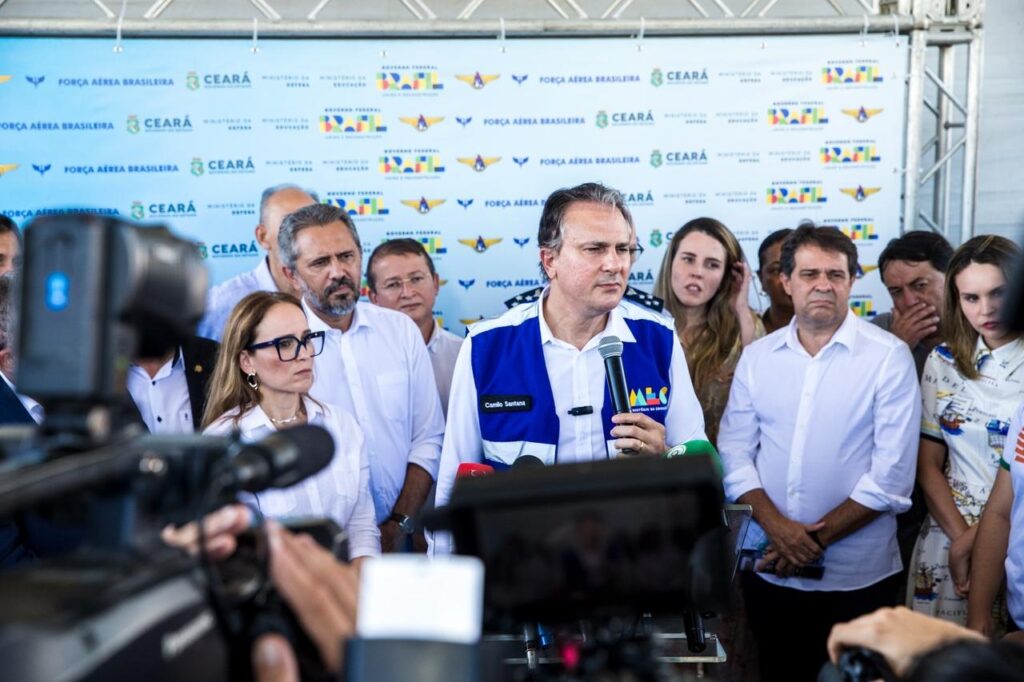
(261,384)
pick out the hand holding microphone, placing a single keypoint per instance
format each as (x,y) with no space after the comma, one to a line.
(635,433)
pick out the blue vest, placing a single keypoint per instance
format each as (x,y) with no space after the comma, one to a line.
(515,404)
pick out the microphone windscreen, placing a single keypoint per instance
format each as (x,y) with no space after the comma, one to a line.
(298,452)
(609,347)
(527,462)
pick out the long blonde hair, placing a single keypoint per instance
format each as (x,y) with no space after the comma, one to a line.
(960,337)
(228,388)
(721,332)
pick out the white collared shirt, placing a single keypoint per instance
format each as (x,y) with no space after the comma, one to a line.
(223,298)
(341,491)
(380,372)
(815,431)
(443,347)
(577,379)
(163,400)
(34,409)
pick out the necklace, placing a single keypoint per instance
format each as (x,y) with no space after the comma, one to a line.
(286,420)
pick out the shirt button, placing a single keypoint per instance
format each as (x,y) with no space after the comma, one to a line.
(159,419)
(153,383)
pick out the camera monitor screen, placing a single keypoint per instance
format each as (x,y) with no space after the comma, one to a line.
(616,537)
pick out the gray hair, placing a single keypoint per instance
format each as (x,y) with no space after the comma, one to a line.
(313,215)
(269,193)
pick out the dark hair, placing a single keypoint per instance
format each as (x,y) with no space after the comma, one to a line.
(313,215)
(7,304)
(8,225)
(917,246)
(552,218)
(970,661)
(825,237)
(770,241)
(406,246)
(960,337)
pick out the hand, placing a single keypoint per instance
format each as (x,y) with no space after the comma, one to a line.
(741,287)
(221,528)
(637,431)
(391,537)
(960,560)
(322,592)
(791,540)
(775,563)
(273,659)
(899,635)
(913,326)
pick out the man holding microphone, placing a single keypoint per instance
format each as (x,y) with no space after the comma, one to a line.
(532,382)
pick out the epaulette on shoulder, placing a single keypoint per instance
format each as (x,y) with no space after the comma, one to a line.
(642,298)
(525,297)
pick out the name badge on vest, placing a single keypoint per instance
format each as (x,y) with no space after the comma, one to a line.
(506,403)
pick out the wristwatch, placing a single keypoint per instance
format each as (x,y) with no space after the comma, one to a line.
(404,522)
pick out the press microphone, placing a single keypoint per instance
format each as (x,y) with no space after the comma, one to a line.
(280,460)
(610,349)
(697,447)
(527,462)
(473,469)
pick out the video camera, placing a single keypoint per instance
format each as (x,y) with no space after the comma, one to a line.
(89,492)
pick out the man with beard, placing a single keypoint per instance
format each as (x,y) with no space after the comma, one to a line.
(532,382)
(820,437)
(374,365)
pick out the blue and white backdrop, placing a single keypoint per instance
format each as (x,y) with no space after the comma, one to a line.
(457,142)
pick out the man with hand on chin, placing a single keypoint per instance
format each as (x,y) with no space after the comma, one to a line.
(820,438)
(532,382)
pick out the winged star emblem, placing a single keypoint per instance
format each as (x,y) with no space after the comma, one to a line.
(860,193)
(478,80)
(862,114)
(479,163)
(480,244)
(423,205)
(421,122)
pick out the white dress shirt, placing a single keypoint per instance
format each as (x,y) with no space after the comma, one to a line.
(443,347)
(1013,461)
(163,399)
(223,298)
(34,409)
(577,378)
(340,492)
(815,431)
(380,372)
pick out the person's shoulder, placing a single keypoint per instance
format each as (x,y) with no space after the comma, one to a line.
(335,418)
(233,288)
(882,321)
(387,320)
(635,312)
(224,424)
(446,336)
(876,334)
(941,356)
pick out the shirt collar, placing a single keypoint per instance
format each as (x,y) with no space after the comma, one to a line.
(434,336)
(256,419)
(175,364)
(846,335)
(1007,356)
(359,319)
(615,326)
(264,278)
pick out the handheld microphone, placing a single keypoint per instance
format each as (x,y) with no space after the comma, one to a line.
(610,349)
(281,460)
(697,447)
(526,462)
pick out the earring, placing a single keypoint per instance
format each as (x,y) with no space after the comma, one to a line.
(254,383)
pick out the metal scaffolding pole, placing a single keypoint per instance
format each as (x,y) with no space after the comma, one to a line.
(944,138)
(970,181)
(915,109)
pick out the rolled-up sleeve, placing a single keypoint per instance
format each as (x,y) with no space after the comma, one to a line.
(739,434)
(427,416)
(887,485)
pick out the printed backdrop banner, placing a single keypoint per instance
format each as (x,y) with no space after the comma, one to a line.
(457,143)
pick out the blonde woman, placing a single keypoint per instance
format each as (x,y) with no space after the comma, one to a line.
(261,384)
(704,282)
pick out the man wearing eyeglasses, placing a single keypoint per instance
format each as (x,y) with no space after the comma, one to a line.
(401,276)
(374,365)
(532,382)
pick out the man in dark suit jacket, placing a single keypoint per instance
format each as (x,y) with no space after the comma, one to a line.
(168,394)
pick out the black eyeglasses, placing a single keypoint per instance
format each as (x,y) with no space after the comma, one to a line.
(288,347)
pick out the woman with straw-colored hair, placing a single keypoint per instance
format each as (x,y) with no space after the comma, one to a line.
(261,384)
(704,282)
